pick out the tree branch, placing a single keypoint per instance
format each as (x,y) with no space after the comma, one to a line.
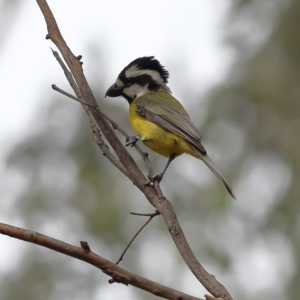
(117,273)
(152,193)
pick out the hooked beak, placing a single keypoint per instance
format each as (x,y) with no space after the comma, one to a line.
(114,91)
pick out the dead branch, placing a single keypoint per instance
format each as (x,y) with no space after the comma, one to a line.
(84,253)
(152,193)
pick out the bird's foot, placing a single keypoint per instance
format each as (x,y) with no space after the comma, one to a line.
(157,178)
(132,141)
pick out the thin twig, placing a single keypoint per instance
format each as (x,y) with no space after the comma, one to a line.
(69,76)
(75,88)
(56,88)
(146,215)
(151,216)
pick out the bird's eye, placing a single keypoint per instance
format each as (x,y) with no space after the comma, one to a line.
(128,81)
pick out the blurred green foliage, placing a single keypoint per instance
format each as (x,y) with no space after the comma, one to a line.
(68,190)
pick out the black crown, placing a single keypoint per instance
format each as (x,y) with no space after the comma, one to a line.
(150,63)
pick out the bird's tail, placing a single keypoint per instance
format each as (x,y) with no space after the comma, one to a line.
(214,169)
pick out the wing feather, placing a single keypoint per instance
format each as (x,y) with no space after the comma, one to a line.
(171,116)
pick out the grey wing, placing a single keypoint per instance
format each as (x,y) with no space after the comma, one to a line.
(170,118)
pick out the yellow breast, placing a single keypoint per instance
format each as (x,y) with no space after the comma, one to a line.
(157,138)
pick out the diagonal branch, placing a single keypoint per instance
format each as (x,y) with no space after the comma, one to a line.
(112,122)
(152,193)
(76,69)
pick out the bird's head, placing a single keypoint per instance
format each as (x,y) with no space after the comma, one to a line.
(141,76)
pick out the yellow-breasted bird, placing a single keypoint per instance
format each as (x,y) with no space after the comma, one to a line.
(158,119)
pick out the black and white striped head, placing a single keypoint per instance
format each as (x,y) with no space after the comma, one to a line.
(142,76)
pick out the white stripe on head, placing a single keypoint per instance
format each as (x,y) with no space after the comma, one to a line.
(134,72)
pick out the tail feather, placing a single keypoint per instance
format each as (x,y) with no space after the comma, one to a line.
(214,169)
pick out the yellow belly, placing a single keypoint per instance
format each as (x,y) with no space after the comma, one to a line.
(158,139)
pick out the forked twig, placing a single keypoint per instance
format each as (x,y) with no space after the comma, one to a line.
(95,132)
(151,216)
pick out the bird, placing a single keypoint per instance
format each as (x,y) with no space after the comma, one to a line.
(158,119)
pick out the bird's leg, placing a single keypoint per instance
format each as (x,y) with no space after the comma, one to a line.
(159,176)
(132,141)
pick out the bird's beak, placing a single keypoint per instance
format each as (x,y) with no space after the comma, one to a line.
(114,91)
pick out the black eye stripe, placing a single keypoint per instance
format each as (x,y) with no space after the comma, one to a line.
(141,79)
(127,81)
